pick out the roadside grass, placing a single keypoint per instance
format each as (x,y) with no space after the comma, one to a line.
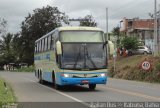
(129,68)
(7,96)
(25,69)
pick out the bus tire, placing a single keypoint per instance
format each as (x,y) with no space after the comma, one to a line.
(40,78)
(56,86)
(92,86)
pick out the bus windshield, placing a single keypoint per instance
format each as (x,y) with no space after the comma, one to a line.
(83,56)
(81,36)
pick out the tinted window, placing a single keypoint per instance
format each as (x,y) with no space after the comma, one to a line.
(40,46)
(52,42)
(49,42)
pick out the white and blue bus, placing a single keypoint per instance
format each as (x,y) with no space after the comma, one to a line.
(71,56)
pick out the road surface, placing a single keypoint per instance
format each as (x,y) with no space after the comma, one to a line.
(27,89)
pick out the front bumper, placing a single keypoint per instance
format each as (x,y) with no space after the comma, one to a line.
(75,81)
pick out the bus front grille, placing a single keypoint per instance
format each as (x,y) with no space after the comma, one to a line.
(84,76)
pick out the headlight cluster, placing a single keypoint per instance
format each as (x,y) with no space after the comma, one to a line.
(103,75)
(66,75)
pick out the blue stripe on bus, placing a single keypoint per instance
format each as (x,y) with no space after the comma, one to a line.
(74,81)
(42,57)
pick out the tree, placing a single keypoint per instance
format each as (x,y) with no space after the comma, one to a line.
(116,32)
(130,42)
(3,24)
(7,55)
(88,21)
(42,21)
(17,47)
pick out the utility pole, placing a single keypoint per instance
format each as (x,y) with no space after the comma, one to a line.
(107,33)
(155,29)
(158,28)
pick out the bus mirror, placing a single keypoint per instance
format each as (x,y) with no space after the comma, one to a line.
(106,42)
(58,47)
(111,47)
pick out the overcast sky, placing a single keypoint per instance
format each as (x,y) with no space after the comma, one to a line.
(15,11)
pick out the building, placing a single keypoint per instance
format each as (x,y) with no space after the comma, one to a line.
(141,28)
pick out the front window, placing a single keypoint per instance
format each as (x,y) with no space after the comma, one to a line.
(83,56)
(83,50)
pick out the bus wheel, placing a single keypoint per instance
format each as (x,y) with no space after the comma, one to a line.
(56,86)
(92,86)
(40,78)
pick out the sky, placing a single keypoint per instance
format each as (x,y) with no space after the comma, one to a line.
(15,11)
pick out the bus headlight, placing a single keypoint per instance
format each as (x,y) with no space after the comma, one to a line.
(103,75)
(65,75)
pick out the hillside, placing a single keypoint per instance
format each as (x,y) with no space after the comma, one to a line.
(130,68)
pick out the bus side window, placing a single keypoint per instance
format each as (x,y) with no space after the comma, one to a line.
(52,42)
(40,48)
(42,45)
(35,49)
(49,42)
(46,43)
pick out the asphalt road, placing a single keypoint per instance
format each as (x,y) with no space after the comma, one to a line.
(27,89)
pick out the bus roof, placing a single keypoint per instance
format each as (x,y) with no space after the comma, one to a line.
(73,28)
(79,28)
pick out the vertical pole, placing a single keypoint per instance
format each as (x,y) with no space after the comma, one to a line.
(107,34)
(155,29)
(158,36)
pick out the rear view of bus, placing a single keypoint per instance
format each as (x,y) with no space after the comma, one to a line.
(80,57)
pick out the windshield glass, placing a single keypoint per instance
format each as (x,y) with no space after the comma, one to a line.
(83,56)
(81,36)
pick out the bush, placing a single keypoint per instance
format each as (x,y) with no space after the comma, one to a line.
(158,67)
(130,42)
(6,96)
(111,71)
(26,69)
(130,69)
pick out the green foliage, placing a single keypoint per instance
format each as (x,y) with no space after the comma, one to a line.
(158,67)
(116,31)
(88,21)
(26,69)
(7,51)
(6,96)
(42,21)
(129,69)
(130,42)
(3,24)
(18,49)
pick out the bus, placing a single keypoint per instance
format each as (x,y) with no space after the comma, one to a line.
(72,56)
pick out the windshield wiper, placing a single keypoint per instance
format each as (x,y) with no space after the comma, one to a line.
(77,58)
(89,58)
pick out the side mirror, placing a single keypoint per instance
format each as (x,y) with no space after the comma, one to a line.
(59,47)
(111,47)
(106,42)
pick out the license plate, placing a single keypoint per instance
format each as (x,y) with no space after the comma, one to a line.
(85,81)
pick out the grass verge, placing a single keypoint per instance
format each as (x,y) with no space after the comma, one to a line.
(25,69)
(129,68)
(6,93)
